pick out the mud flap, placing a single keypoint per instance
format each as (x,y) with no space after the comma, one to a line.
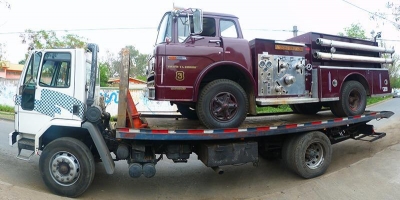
(101,146)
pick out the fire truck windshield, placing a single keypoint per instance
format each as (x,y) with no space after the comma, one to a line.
(164,29)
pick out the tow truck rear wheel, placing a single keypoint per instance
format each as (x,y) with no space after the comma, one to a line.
(287,151)
(309,154)
(222,104)
(353,100)
(67,167)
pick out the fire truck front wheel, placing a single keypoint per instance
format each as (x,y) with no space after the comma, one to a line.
(67,167)
(187,111)
(222,104)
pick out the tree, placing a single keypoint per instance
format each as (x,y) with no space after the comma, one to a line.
(104,74)
(48,40)
(394,70)
(354,31)
(21,62)
(138,63)
(391,15)
(2,54)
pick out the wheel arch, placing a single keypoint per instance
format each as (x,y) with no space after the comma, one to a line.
(236,72)
(87,132)
(57,131)
(359,78)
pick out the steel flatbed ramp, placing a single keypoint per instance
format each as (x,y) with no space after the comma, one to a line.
(183,129)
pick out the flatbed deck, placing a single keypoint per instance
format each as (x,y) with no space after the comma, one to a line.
(183,129)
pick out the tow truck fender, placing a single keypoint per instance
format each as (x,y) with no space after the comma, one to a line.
(54,122)
(101,146)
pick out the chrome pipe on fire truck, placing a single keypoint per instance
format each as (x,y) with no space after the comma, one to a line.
(342,57)
(347,45)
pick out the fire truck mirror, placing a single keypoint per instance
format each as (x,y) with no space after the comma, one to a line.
(197,21)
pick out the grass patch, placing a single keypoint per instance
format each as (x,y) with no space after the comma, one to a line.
(286,108)
(274,109)
(5,108)
(372,100)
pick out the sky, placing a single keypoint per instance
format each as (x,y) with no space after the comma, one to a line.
(117,23)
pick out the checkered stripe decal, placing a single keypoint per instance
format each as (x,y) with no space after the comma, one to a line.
(52,100)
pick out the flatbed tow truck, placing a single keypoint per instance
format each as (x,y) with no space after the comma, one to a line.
(60,116)
(57,118)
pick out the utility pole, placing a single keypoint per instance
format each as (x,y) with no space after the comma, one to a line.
(295,31)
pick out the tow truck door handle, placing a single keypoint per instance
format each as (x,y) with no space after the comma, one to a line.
(218,42)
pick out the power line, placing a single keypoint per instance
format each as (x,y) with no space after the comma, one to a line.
(271,30)
(86,29)
(380,16)
(153,28)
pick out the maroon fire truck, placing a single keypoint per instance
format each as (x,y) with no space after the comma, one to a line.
(202,64)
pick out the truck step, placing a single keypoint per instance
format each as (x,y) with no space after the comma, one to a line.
(275,101)
(375,136)
(28,145)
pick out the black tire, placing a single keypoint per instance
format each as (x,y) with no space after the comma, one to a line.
(293,107)
(335,110)
(308,108)
(287,151)
(353,100)
(222,104)
(311,154)
(67,167)
(187,111)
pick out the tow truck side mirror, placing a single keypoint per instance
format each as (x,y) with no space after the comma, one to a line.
(197,21)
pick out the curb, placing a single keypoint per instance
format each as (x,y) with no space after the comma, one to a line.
(374,104)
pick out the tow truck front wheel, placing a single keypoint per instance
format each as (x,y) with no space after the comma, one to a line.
(67,167)
(309,155)
(222,104)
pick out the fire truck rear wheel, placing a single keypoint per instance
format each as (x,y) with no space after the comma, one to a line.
(187,111)
(308,108)
(67,167)
(310,155)
(293,107)
(222,104)
(353,100)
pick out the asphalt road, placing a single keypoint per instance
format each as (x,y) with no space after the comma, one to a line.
(192,180)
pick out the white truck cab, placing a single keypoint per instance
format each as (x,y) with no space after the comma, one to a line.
(56,88)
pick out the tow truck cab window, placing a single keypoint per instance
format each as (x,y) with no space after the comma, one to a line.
(33,68)
(27,90)
(228,28)
(56,70)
